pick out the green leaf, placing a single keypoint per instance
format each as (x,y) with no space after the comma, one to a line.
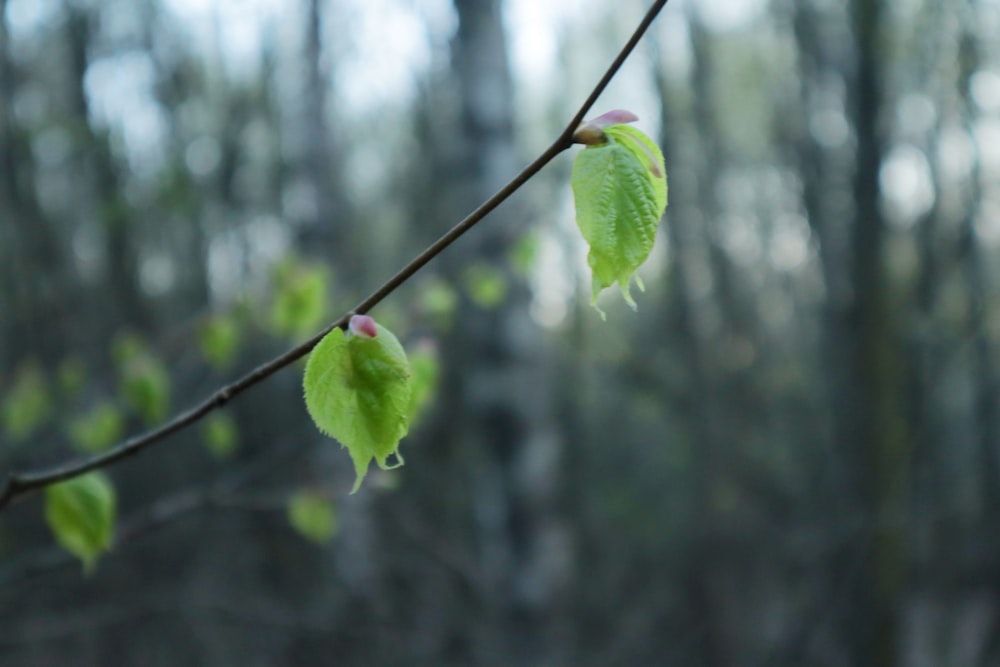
(81,513)
(143,378)
(649,154)
(524,254)
(620,191)
(146,387)
(486,285)
(312,516)
(220,434)
(439,300)
(125,347)
(27,404)
(96,430)
(219,340)
(299,305)
(358,391)
(425,366)
(72,377)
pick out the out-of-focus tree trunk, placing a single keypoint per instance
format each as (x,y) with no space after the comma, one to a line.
(328,230)
(32,256)
(986,389)
(692,251)
(861,341)
(121,246)
(500,423)
(880,445)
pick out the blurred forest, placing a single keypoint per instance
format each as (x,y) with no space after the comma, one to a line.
(790,455)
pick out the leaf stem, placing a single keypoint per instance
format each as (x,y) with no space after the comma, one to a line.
(20,484)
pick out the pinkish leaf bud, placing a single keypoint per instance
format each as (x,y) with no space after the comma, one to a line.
(363,326)
(591,132)
(613,117)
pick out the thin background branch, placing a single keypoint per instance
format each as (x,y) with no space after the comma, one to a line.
(225,493)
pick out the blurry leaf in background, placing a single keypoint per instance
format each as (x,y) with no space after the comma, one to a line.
(425,367)
(221,435)
(299,306)
(312,516)
(219,341)
(143,379)
(438,300)
(620,192)
(524,254)
(146,388)
(486,285)
(358,391)
(27,403)
(81,513)
(72,376)
(97,429)
(125,347)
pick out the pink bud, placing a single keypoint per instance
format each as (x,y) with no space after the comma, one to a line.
(362,325)
(591,132)
(613,117)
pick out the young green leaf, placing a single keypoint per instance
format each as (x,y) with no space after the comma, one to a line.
(146,387)
(357,389)
(524,254)
(98,429)
(72,375)
(438,299)
(425,366)
(312,516)
(649,154)
(27,404)
(219,340)
(221,435)
(299,304)
(143,378)
(485,284)
(620,191)
(81,513)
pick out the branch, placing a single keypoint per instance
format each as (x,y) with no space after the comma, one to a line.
(21,484)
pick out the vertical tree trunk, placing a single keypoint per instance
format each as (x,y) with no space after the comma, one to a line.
(881,446)
(693,212)
(121,247)
(32,255)
(986,390)
(502,417)
(329,231)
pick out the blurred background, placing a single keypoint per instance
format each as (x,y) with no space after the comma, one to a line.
(790,455)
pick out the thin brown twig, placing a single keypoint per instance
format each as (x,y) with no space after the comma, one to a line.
(21,484)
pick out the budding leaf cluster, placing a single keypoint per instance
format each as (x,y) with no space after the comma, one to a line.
(358,386)
(620,191)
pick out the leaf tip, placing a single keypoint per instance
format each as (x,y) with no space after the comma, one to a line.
(399,463)
(360,474)
(627,295)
